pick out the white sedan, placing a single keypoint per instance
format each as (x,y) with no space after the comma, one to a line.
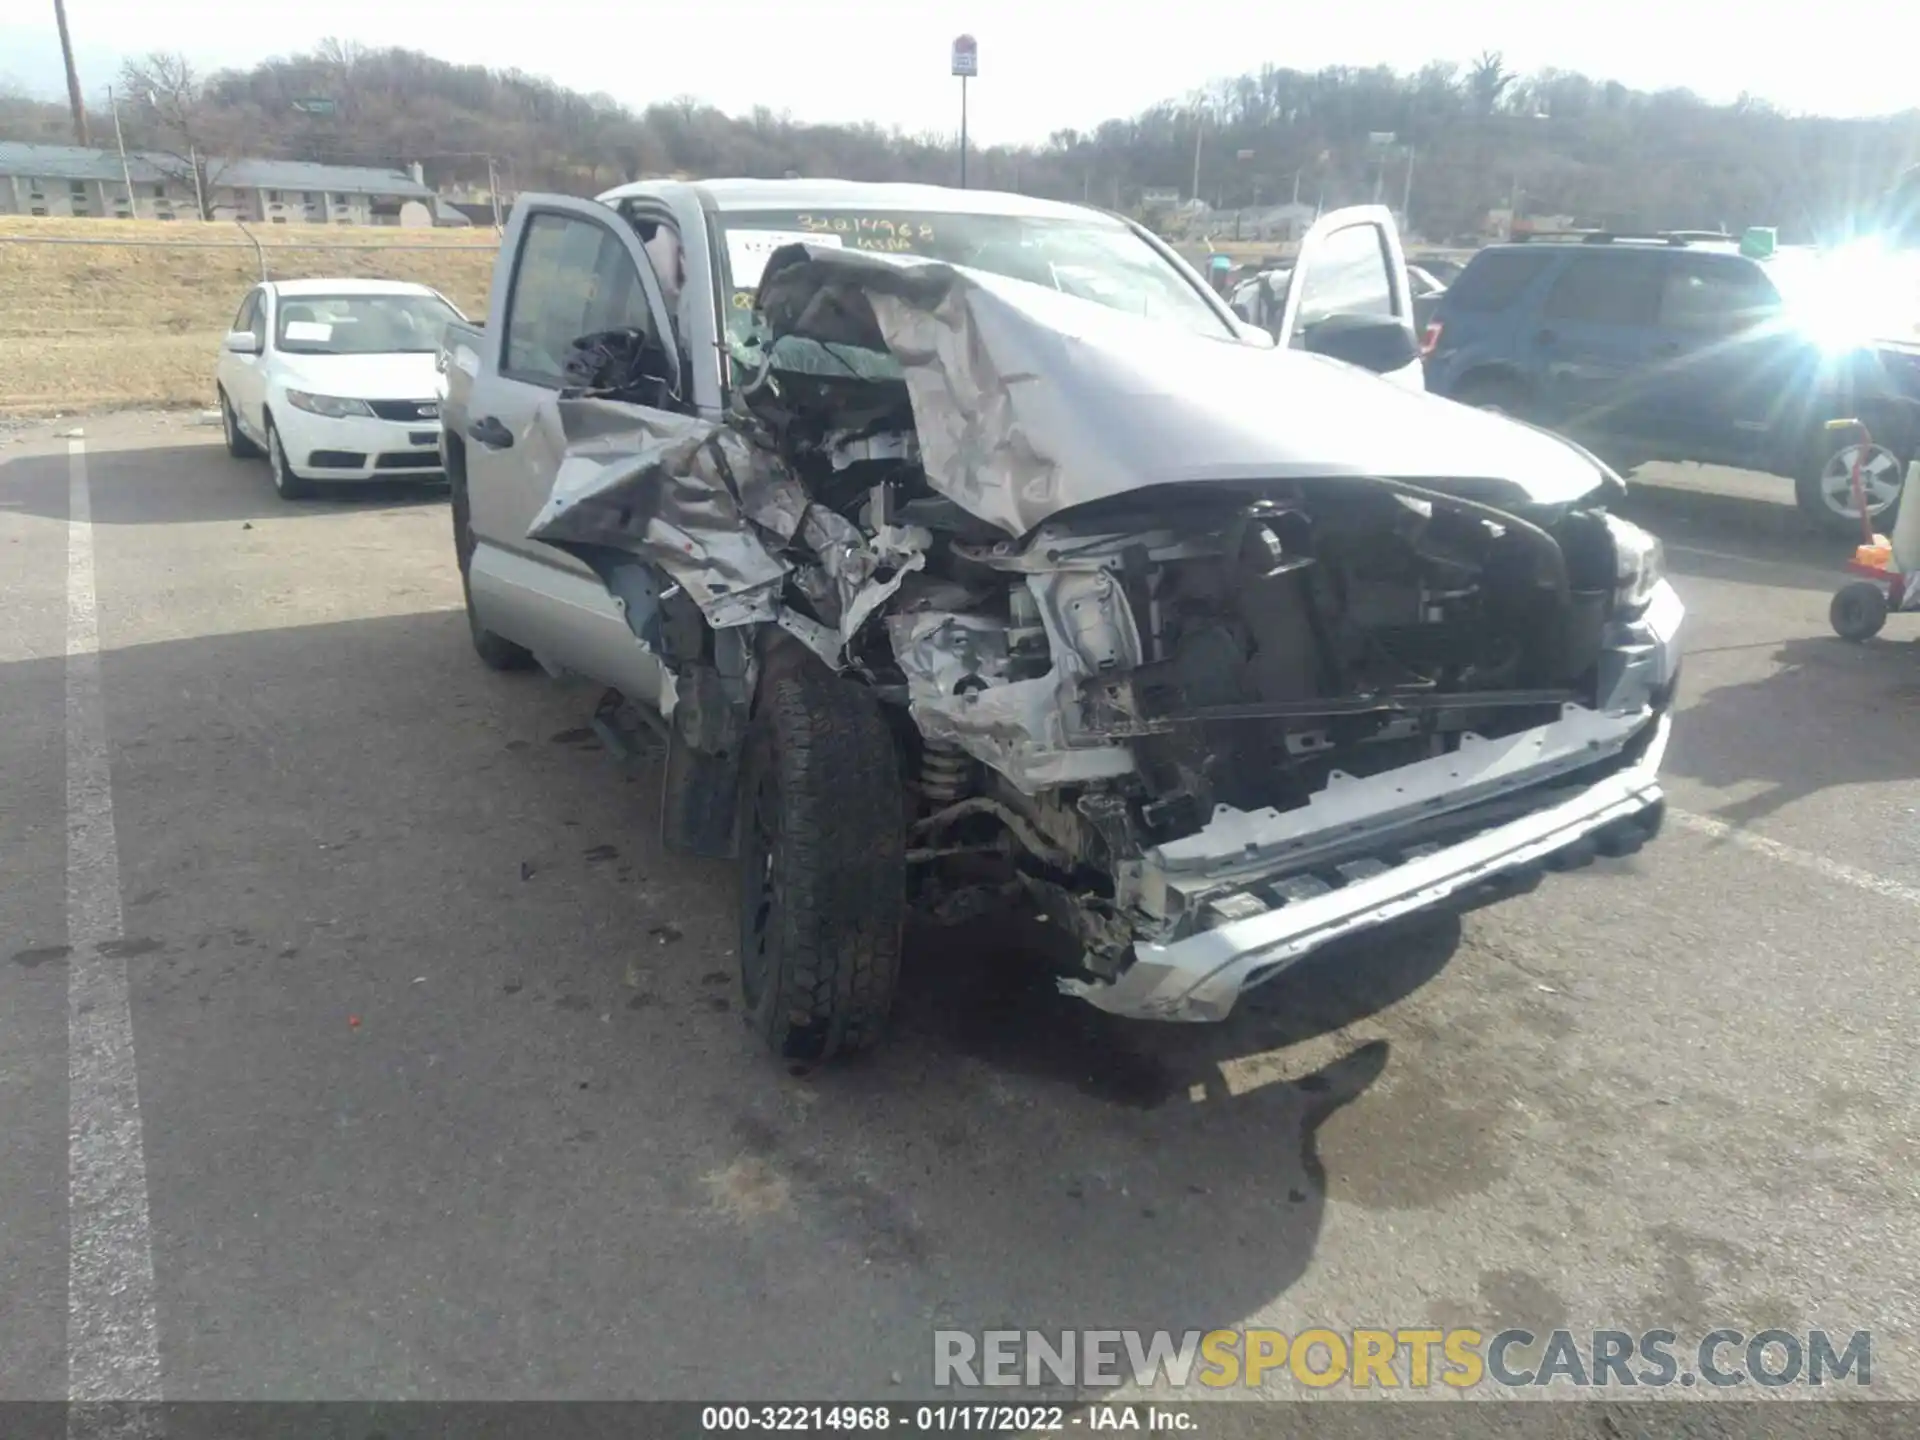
(335,380)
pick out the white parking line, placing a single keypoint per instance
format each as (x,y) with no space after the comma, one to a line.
(1804,859)
(113,1342)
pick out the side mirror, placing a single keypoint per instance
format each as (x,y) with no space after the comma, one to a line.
(1380,343)
(243,342)
(1253,335)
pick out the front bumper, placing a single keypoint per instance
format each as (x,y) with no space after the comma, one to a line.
(359,447)
(1275,887)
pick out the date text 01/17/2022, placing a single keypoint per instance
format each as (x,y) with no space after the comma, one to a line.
(935,1419)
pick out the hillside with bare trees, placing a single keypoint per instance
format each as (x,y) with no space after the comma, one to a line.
(1454,140)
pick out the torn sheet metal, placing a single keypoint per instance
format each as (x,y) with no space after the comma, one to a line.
(715,512)
(1028,401)
(958,692)
(865,574)
(675,491)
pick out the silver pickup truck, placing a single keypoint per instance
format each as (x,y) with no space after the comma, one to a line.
(967,550)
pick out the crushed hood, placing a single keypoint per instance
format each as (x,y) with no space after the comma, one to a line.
(1029,401)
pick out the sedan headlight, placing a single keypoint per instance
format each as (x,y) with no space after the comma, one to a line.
(1639,565)
(332,406)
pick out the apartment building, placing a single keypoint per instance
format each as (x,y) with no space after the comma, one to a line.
(66,180)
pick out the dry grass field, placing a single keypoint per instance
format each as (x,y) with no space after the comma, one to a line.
(102,327)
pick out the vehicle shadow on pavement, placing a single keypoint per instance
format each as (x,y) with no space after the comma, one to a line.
(1835,715)
(188,485)
(1172,1170)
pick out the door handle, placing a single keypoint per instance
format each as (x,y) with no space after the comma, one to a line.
(491,433)
(1545,337)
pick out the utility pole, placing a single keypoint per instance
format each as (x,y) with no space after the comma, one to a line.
(120,140)
(199,194)
(79,106)
(1199,133)
(1406,194)
(493,193)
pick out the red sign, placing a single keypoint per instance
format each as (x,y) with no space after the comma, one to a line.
(966,56)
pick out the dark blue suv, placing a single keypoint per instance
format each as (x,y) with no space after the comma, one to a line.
(1679,347)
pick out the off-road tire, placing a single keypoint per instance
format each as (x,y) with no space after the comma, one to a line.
(822,868)
(286,484)
(238,445)
(495,652)
(1858,611)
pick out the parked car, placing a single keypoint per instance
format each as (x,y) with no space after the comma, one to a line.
(964,552)
(1678,348)
(334,380)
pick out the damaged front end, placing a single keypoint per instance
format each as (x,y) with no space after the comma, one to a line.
(1212,654)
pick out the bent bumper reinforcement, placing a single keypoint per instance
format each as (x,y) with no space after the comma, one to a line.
(1200,977)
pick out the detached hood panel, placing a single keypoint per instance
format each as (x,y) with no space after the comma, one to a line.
(1029,401)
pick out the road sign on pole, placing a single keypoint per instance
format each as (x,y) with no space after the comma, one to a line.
(966,65)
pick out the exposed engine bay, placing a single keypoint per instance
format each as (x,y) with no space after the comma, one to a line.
(1120,690)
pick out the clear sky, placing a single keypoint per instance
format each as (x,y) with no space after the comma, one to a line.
(1044,64)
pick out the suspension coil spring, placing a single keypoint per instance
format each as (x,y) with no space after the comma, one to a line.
(944,771)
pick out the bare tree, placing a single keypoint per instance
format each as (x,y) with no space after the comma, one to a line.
(1487,80)
(340,55)
(178,123)
(22,117)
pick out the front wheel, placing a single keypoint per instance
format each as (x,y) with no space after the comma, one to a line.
(1824,489)
(822,869)
(286,484)
(238,445)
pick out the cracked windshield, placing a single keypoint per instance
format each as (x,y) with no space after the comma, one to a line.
(974,719)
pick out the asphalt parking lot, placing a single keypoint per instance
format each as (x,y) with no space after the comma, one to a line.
(441,1092)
